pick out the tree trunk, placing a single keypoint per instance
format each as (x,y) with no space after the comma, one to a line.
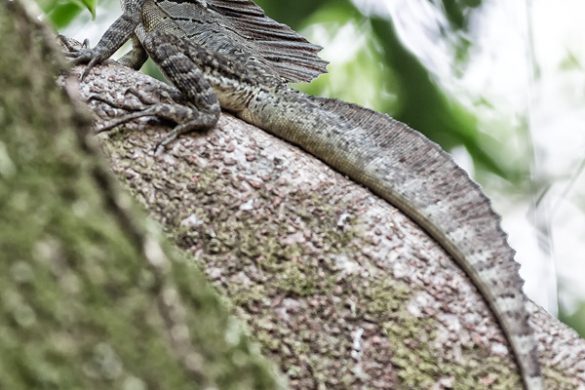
(89,296)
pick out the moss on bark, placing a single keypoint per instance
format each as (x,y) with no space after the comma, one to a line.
(81,306)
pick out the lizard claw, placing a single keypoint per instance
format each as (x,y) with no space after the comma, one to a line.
(159,148)
(93,62)
(84,55)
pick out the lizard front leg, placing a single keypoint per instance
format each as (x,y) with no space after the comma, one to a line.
(116,35)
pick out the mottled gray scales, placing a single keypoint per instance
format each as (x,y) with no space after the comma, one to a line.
(189,79)
(244,27)
(118,33)
(229,52)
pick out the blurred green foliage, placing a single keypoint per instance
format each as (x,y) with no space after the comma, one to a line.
(63,12)
(576,319)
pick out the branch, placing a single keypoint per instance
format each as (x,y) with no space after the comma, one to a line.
(339,287)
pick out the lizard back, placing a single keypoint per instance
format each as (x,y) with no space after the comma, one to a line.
(240,27)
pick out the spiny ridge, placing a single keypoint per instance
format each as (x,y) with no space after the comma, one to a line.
(289,53)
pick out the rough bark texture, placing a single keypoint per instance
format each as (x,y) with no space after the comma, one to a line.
(88,297)
(341,289)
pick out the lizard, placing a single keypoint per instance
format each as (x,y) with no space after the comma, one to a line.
(215,67)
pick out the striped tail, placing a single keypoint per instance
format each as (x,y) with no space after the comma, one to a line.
(420,179)
(415,175)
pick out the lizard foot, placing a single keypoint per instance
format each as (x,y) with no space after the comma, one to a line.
(126,105)
(150,98)
(186,118)
(152,111)
(83,55)
(174,135)
(162,106)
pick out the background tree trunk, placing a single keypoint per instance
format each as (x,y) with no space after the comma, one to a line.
(89,298)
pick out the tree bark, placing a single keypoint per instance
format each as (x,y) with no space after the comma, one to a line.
(89,297)
(341,289)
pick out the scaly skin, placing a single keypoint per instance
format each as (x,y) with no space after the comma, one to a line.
(392,160)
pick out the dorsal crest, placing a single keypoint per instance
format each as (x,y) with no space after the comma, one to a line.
(288,53)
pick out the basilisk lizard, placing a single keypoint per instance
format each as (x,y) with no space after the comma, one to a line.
(228,53)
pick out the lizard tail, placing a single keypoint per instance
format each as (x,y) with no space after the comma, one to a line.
(419,178)
(410,172)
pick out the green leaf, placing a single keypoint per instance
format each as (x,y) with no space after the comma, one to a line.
(90,6)
(61,13)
